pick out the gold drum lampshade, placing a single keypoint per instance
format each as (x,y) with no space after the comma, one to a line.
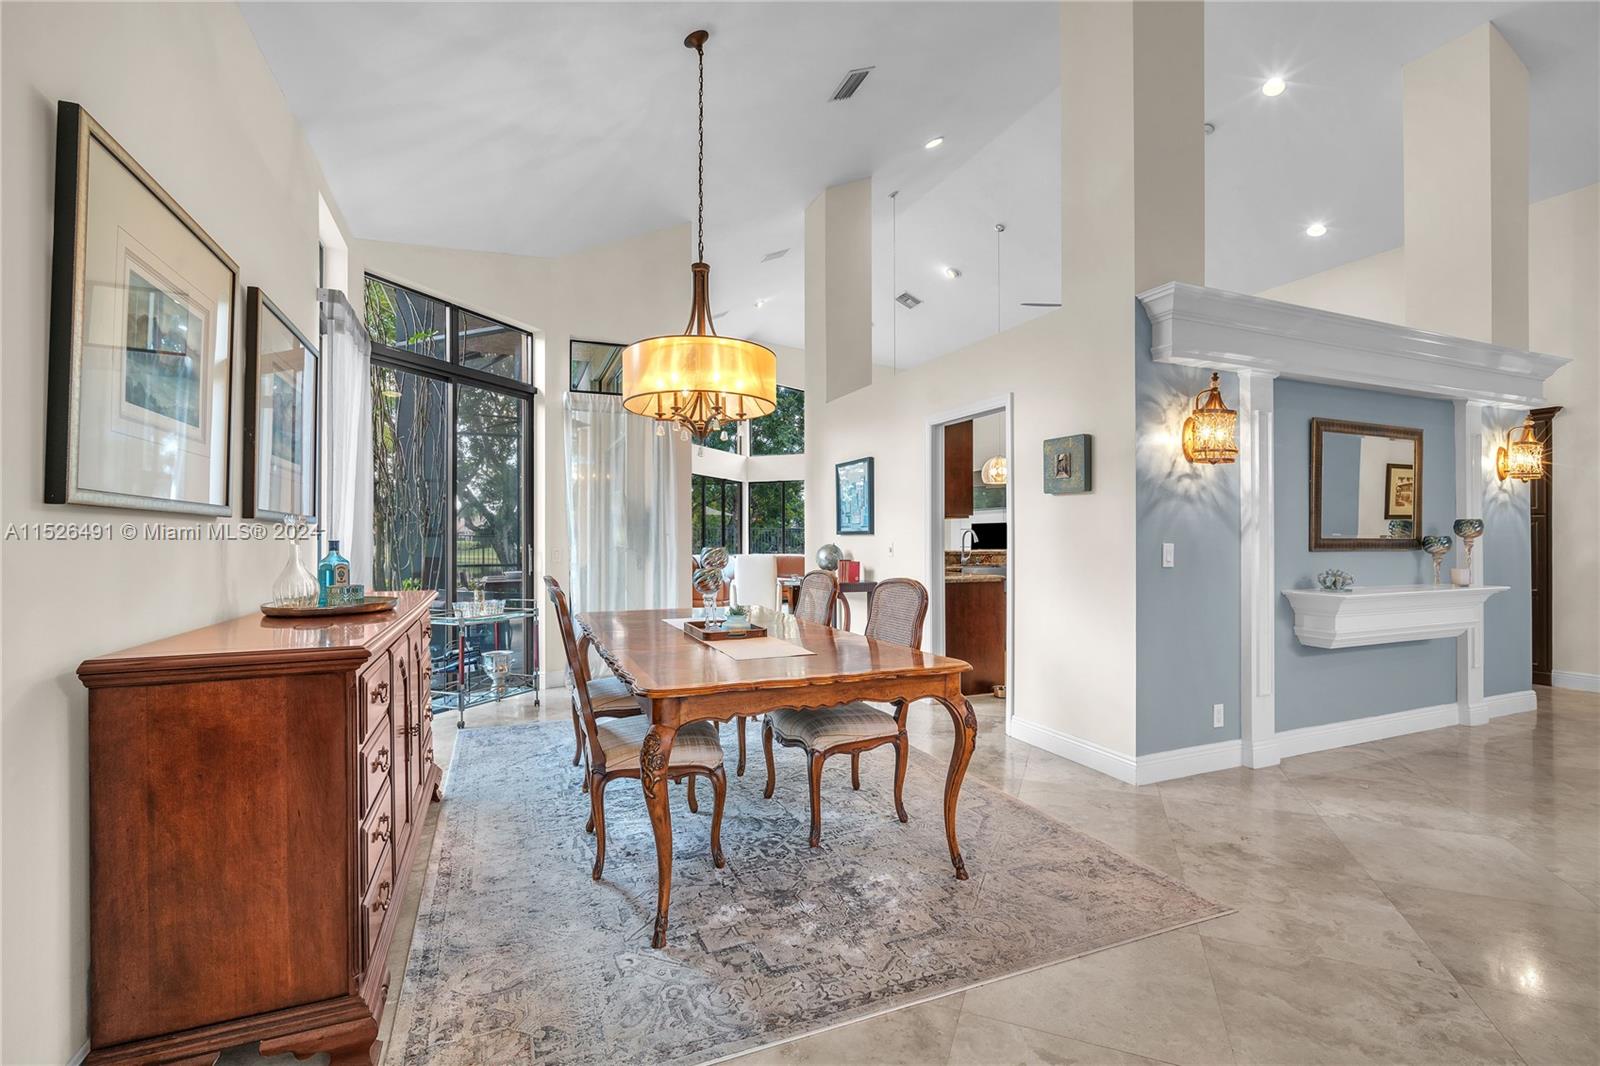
(696,379)
(1523,457)
(994,471)
(1210,433)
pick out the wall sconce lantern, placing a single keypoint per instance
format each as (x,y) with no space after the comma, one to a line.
(1210,433)
(1522,458)
(994,471)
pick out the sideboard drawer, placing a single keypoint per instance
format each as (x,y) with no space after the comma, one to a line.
(375,911)
(377,690)
(377,832)
(377,762)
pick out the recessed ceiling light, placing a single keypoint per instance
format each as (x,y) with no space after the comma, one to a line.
(761,303)
(1316,229)
(952,273)
(936,142)
(1273,86)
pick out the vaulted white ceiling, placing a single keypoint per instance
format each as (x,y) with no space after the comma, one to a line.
(543,128)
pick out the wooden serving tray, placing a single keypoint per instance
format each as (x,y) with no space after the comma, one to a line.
(696,628)
(368,605)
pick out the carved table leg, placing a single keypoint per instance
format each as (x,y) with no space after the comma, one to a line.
(654,755)
(966,723)
(739,770)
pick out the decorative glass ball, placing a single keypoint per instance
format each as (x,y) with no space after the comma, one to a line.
(715,558)
(828,556)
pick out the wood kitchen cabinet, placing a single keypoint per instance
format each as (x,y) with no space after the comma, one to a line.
(975,630)
(958,470)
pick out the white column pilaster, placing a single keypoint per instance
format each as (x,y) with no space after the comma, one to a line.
(1257,571)
(1471,483)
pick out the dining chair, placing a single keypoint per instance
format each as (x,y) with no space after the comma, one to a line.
(819,594)
(609,696)
(895,612)
(613,746)
(755,581)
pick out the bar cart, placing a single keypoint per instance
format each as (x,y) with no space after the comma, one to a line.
(482,669)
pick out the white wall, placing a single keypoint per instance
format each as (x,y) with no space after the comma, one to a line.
(1563,319)
(616,293)
(1073,554)
(211,126)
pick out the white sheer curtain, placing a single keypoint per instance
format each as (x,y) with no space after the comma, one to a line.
(347,432)
(623,504)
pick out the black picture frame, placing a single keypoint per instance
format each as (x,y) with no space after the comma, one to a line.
(257,305)
(854,469)
(75,413)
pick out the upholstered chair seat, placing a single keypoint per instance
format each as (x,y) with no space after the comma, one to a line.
(611,697)
(835,725)
(696,744)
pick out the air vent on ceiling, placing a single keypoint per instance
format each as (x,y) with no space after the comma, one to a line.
(779,254)
(1025,303)
(852,82)
(906,300)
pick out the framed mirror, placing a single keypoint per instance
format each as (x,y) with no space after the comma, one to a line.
(1366,486)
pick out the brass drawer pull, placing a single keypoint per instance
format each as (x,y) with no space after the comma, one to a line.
(410,729)
(380,693)
(380,761)
(384,894)
(381,830)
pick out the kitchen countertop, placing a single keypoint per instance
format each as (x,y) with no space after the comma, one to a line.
(955,577)
(976,557)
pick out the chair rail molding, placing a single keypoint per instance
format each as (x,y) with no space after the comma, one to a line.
(1262,340)
(1212,328)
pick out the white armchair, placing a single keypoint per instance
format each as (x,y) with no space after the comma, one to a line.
(755,581)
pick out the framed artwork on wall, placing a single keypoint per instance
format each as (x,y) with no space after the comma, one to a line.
(282,377)
(1067,463)
(853,495)
(141,337)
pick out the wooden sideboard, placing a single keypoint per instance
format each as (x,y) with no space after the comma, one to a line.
(256,791)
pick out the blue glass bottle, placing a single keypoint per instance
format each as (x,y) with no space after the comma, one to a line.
(333,577)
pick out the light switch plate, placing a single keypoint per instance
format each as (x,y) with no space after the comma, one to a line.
(1216,716)
(1167,553)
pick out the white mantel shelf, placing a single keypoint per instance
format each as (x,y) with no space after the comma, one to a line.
(1386,614)
(1219,330)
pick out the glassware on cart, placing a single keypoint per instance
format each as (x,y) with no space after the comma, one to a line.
(497,664)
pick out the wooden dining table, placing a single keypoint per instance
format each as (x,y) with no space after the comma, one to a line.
(677,680)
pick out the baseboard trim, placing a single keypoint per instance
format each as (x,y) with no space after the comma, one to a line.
(1574,680)
(1307,739)
(1510,703)
(1084,752)
(1186,762)
(79,1055)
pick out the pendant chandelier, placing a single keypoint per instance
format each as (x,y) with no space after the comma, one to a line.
(1522,458)
(696,379)
(1209,431)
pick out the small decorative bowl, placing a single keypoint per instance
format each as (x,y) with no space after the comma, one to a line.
(1468,528)
(1436,544)
(1336,581)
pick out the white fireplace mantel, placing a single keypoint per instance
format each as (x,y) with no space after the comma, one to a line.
(1386,614)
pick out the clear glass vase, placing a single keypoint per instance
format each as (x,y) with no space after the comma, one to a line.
(296,585)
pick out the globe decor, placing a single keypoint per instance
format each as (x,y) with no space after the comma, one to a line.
(708,579)
(828,556)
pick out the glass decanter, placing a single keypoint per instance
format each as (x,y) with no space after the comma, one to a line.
(296,585)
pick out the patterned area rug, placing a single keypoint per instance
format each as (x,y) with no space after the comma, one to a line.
(519,957)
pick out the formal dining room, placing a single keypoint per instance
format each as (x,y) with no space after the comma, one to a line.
(1104,570)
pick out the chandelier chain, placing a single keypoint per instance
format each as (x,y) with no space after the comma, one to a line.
(700,182)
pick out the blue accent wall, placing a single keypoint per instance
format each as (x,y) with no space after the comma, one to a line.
(1316,686)
(1507,560)
(1188,616)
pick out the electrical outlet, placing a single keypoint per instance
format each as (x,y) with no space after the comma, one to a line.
(1216,716)
(1167,554)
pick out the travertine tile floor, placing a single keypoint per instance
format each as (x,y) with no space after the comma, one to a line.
(1430,898)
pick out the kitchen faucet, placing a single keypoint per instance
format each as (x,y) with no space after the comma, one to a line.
(966,552)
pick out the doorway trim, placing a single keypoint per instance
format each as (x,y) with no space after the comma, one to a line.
(1002,403)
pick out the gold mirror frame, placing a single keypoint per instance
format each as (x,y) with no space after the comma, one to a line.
(1319,543)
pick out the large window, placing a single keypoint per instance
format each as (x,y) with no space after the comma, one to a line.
(595,367)
(452,455)
(783,432)
(714,515)
(778,516)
